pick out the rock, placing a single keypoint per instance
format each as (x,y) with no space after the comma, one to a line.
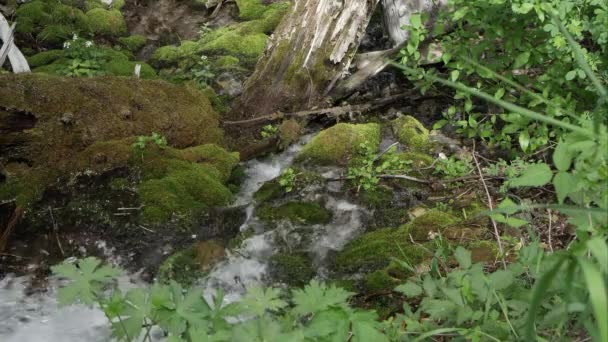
(293,269)
(228,84)
(307,213)
(220,223)
(340,143)
(411,133)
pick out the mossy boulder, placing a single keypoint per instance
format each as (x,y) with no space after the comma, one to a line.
(107,23)
(340,143)
(51,22)
(411,133)
(127,68)
(133,43)
(431,222)
(273,190)
(296,212)
(289,132)
(48,123)
(226,62)
(293,269)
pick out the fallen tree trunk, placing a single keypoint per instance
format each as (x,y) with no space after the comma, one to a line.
(309,52)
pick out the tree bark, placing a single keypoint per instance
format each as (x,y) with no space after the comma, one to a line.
(309,52)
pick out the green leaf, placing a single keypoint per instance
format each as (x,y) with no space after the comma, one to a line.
(366,331)
(415,20)
(316,297)
(562,157)
(521,59)
(501,279)
(598,292)
(137,308)
(409,289)
(499,93)
(524,140)
(463,257)
(570,75)
(534,175)
(85,281)
(565,184)
(258,300)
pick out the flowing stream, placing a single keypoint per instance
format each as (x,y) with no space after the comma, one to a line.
(27,317)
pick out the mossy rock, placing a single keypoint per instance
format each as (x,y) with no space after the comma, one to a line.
(432,221)
(411,133)
(189,265)
(293,269)
(289,132)
(51,22)
(25,184)
(297,212)
(338,144)
(484,251)
(374,250)
(107,23)
(226,62)
(416,160)
(45,58)
(269,191)
(133,43)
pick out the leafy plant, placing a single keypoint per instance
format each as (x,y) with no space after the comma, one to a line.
(84,58)
(453,167)
(365,171)
(143,140)
(288,180)
(269,131)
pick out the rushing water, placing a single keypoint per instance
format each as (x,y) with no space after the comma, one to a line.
(37,317)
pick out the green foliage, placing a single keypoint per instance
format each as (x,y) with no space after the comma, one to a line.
(107,23)
(516,51)
(143,140)
(269,131)
(133,43)
(287,180)
(366,170)
(453,167)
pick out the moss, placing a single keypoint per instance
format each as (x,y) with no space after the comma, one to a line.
(232,40)
(484,251)
(411,133)
(181,267)
(269,191)
(380,280)
(416,160)
(119,183)
(54,34)
(165,55)
(378,197)
(293,269)
(182,194)
(133,43)
(256,10)
(127,68)
(55,68)
(24,184)
(373,250)
(431,221)
(297,212)
(338,144)
(45,57)
(214,156)
(289,132)
(106,22)
(226,62)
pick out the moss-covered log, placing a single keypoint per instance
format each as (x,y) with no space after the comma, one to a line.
(309,51)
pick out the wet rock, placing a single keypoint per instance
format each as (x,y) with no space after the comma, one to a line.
(411,133)
(191,264)
(220,223)
(293,269)
(229,84)
(307,213)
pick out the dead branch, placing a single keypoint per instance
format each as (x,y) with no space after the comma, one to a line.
(10,226)
(332,111)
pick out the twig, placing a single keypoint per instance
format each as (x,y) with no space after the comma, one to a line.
(386,150)
(146,229)
(130,208)
(550,228)
(406,177)
(491,207)
(12,223)
(55,231)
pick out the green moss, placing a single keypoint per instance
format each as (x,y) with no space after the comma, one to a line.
(338,144)
(119,183)
(214,156)
(378,197)
(25,185)
(127,68)
(269,191)
(484,251)
(289,132)
(181,267)
(232,40)
(133,43)
(55,34)
(380,280)
(45,57)
(165,55)
(256,10)
(293,269)
(435,221)
(374,250)
(411,133)
(106,22)
(226,62)
(416,160)
(297,212)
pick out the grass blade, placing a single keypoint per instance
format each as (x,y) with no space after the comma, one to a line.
(598,297)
